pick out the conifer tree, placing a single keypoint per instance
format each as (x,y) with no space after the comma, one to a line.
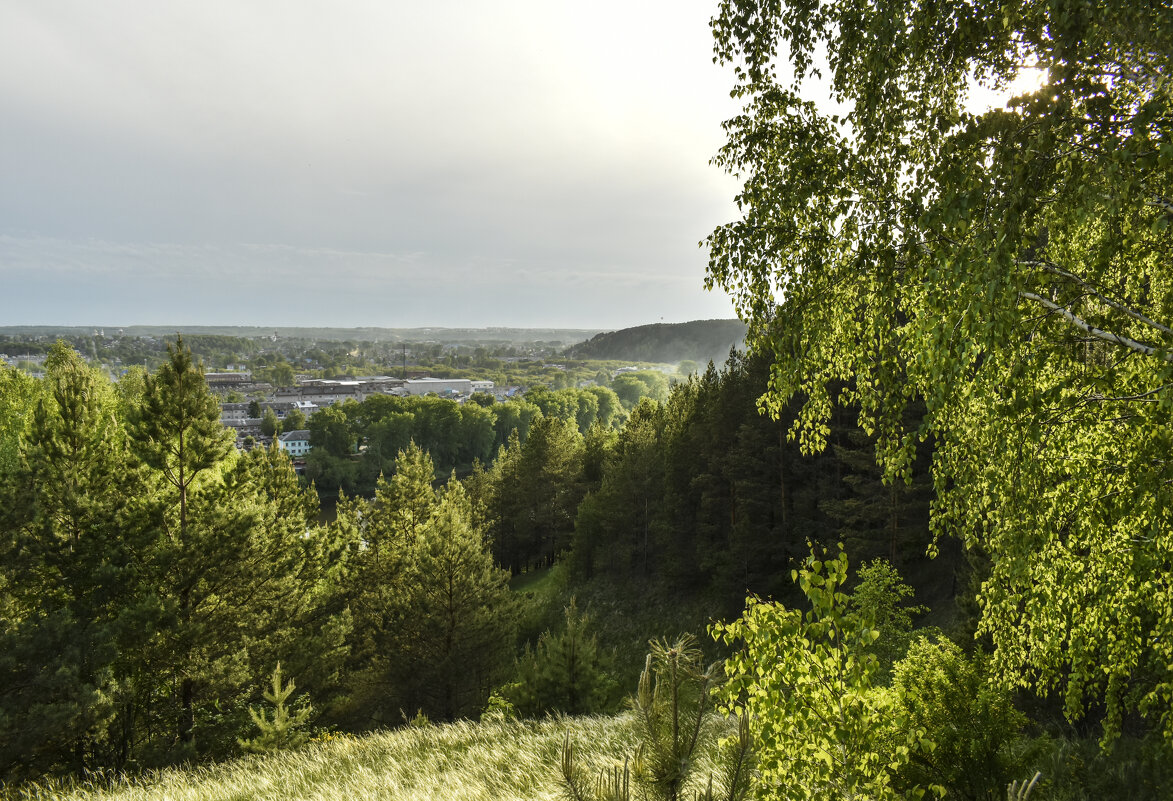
(176,433)
(566,672)
(537,486)
(282,730)
(176,429)
(616,525)
(460,635)
(67,576)
(388,529)
(501,509)
(674,709)
(406,501)
(296,601)
(141,575)
(236,564)
(18,393)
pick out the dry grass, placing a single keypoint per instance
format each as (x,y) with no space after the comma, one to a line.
(493,761)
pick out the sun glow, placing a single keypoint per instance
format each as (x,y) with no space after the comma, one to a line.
(983,98)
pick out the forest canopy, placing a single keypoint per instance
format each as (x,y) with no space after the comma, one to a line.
(1008,267)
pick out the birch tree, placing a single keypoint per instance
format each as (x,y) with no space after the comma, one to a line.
(1009,266)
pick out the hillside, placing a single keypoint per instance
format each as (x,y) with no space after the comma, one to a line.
(498,760)
(700,340)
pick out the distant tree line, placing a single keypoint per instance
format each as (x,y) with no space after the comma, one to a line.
(353,442)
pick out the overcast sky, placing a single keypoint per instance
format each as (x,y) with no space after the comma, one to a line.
(359,162)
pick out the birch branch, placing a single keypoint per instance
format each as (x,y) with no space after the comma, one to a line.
(1099,333)
(1056,270)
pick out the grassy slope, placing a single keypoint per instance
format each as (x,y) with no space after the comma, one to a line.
(495,761)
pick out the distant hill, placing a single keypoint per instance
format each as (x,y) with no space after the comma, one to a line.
(701,341)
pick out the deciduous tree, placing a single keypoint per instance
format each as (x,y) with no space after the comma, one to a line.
(1008,266)
(806,681)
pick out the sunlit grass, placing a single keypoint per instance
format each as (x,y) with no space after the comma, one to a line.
(494,761)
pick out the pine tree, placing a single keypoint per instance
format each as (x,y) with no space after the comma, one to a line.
(18,393)
(406,501)
(281,731)
(566,672)
(176,429)
(389,529)
(616,525)
(141,575)
(68,581)
(460,635)
(674,708)
(296,603)
(176,432)
(539,492)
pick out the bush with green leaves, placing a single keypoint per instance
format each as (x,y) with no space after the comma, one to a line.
(972,722)
(807,681)
(882,596)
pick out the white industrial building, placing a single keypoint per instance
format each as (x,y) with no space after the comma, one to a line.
(445,386)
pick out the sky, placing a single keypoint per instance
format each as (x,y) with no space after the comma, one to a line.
(359,162)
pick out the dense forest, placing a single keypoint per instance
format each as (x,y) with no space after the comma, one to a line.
(153,577)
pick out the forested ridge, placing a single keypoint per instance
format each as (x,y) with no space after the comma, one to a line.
(698,341)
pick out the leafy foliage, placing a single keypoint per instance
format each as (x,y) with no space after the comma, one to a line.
(881,597)
(972,723)
(1007,266)
(806,682)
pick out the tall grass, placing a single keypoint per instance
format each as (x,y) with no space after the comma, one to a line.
(490,761)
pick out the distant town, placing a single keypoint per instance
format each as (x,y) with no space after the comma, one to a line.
(270,385)
(311,394)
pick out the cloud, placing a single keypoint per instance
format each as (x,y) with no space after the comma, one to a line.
(450,149)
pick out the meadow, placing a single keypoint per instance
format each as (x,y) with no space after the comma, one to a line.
(493,760)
